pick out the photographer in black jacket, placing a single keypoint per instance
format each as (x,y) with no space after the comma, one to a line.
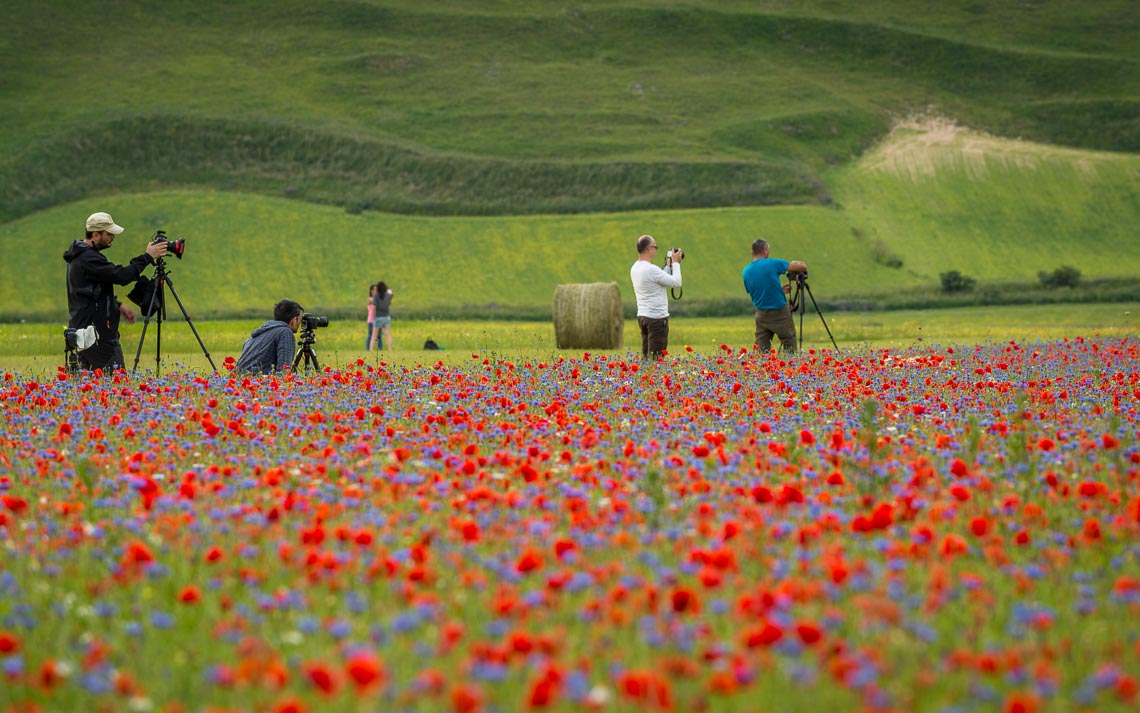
(91,280)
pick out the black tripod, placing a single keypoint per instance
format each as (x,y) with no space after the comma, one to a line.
(798,303)
(156,307)
(305,351)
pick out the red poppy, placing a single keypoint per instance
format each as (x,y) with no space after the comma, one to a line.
(137,554)
(960,493)
(14,503)
(1021,703)
(289,705)
(529,561)
(322,677)
(765,635)
(979,526)
(684,600)
(9,642)
(365,670)
(466,699)
(809,632)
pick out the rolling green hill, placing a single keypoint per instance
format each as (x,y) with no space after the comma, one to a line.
(931,198)
(497,107)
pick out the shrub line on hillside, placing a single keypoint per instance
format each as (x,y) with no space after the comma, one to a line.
(144,152)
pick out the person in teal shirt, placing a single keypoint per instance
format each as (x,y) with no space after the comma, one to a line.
(769,297)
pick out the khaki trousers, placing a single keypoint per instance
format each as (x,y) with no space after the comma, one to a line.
(778,322)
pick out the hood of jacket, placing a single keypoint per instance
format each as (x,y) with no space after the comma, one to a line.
(75,249)
(270,326)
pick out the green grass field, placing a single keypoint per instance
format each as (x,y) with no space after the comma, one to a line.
(36,349)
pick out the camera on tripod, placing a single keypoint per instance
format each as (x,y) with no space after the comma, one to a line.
(312,321)
(173,247)
(677,253)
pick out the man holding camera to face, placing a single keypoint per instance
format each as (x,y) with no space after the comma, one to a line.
(651,287)
(270,346)
(91,280)
(762,281)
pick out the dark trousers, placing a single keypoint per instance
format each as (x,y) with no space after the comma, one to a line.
(654,336)
(778,322)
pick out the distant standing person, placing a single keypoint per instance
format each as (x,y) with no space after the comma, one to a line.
(651,289)
(382,319)
(371,316)
(762,281)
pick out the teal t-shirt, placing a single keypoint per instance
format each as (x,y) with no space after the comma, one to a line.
(762,280)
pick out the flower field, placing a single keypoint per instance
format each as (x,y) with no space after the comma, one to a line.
(934,529)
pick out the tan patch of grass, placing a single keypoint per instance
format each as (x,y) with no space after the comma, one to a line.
(920,147)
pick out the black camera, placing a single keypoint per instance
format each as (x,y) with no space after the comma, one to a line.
(173,247)
(676,253)
(312,321)
(79,339)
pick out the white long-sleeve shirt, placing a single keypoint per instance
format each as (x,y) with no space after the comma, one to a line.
(651,288)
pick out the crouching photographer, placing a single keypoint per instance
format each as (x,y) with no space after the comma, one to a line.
(91,302)
(270,346)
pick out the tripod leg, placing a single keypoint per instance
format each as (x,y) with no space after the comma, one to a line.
(150,310)
(800,331)
(158,342)
(821,319)
(191,323)
(798,307)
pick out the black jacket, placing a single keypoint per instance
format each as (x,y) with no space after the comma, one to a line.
(91,280)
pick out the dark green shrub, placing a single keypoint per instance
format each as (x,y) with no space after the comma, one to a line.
(1064,276)
(884,256)
(955,281)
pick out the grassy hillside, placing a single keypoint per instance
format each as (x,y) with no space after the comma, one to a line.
(930,199)
(940,199)
(494,107)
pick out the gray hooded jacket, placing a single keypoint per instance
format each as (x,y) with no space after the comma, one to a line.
(269,348)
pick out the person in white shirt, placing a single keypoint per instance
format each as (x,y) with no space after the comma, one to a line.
(651,289)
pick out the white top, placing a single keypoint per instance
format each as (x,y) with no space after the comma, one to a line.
(650,287)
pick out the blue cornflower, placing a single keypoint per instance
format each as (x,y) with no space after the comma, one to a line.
(12,666)
(161,620)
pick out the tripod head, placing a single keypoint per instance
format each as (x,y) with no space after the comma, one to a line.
(308,336)
(306,357)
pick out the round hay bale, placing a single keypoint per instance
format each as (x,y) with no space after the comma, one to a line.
(588,316)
